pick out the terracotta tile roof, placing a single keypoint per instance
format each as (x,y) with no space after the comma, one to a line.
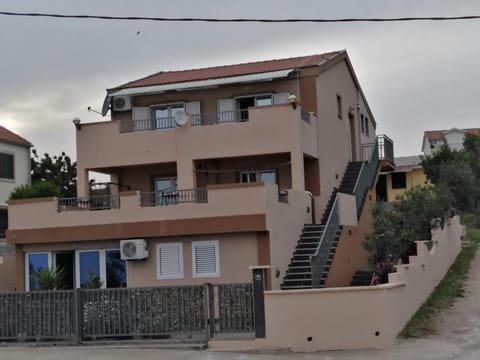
(438,134)
(434,134)
(168,77)
(10,136)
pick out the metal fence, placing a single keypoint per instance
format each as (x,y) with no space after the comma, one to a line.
(196,312)
(163,198)
(96,202)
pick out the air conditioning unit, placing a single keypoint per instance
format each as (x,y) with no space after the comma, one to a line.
(122,103)
(133,249)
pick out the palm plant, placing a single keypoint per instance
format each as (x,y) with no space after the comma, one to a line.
(51,279)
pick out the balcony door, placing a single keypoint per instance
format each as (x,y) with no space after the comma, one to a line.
(165,190)
(165,115)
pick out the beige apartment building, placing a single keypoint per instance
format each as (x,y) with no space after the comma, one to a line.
(215,171)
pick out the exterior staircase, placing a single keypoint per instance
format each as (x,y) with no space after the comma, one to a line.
(299,272)
(362,277)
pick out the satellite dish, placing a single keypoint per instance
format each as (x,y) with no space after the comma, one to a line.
(180,118)
(129,249)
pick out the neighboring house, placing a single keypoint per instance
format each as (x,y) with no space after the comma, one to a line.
(434,139)
(224,166)
(14,171)
(407,174)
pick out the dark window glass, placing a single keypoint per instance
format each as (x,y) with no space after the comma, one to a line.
(399,180)
(115,268)
(6,166)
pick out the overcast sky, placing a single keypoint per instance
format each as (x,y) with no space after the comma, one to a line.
(416,76)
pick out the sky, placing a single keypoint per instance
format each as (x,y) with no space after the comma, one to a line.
(416,76)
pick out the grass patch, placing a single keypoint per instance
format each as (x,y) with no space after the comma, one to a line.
(425,321)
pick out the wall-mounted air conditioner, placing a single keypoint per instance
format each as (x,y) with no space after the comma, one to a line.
(133,249)
(122,103)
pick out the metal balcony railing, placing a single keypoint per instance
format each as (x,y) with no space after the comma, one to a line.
(130,125)
(96,202)
(385,149)
(174,197)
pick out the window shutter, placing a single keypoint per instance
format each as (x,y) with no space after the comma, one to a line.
(193,109)
(226,110)
(206,259)
(281,98)
(170,261)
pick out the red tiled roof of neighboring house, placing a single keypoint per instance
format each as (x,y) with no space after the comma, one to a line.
(10,136)
(438,134)
(168,77)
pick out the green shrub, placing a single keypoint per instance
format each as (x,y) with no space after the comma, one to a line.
(37,190)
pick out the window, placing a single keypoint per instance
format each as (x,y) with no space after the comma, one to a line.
(6,166)
(339,106)
(115,269)
(100,268)
(205,259)
(34,264)
(366,126)
(361,123)
(254,176)
(399,180)
(263,100)
(170,261)
(165,115)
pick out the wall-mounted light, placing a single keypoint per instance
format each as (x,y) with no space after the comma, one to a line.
(76,122)
(292,99)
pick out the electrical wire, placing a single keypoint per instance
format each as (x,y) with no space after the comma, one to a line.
(241,20)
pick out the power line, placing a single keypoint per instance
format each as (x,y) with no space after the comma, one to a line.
(242,20)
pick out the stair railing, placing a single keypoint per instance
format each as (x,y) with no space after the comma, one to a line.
(366,176)
(364,182)
(319,260)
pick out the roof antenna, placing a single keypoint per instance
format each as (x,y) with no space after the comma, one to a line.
(93,110)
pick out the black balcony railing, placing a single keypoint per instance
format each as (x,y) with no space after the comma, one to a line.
(174,197)
(385,149)
(96,202)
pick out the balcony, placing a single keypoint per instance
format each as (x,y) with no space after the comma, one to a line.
(232,134)
(188,212)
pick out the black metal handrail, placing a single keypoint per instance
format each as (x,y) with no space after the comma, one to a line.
(173,197)
(364,182)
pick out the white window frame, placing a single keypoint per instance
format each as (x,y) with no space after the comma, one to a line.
(258,175)
(103,272)
(196,244)
(27,269)
(103,265)
(179,247)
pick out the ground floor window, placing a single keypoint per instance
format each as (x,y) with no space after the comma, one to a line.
(85,268)
(35,263)
(205,259)
(170,261)
(399,180)
(100,269)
